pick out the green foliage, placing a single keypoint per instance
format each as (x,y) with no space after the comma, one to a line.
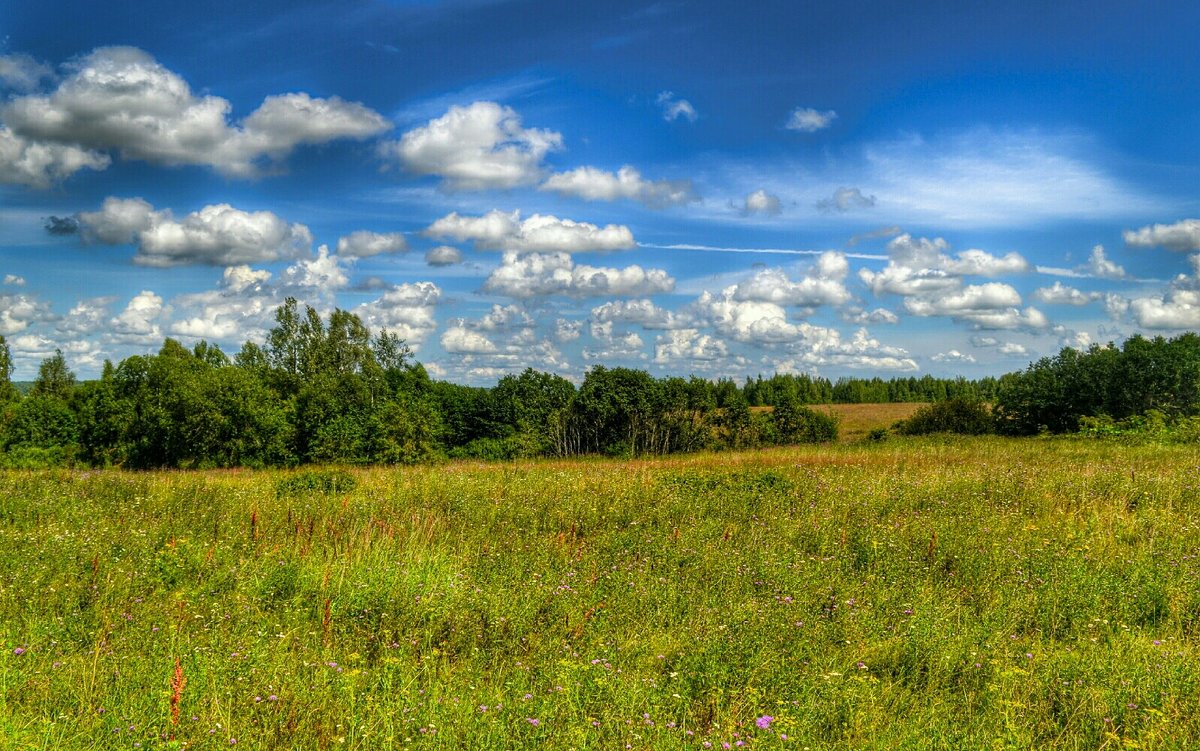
(497,449)
(177,409)
(40,420)
(324,390)
(54,378)
(320,481)
(960,415)
(1153,425)
(25,456)
(8,392)
(795,423)
(1053,394)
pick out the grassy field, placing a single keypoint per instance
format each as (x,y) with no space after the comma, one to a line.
(855,421)
(951,594)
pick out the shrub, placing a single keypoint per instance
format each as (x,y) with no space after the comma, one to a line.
(323,481)
(958,415)
(795,423)
(37,457)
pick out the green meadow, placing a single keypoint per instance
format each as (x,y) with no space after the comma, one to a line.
(949,593)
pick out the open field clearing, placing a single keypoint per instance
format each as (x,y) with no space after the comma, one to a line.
(965,593)
(856,421)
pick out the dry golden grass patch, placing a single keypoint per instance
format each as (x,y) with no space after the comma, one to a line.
(855,421)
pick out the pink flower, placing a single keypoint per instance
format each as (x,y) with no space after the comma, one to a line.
(533,721)
(764,722)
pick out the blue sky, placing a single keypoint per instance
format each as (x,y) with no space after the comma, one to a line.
(690,188)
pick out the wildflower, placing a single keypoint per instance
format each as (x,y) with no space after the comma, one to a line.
(764,722)
(272,697)
(19,651)
(533,721)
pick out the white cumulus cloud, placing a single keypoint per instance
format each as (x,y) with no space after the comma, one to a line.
(36,164)
(592,184)
(931,281)
(476,147)
(809,120)
(642,312)
(443,255)
(524,276)
(406,310)
(845,199)
(953,356)
(1178,307)
(18,312)
(363,244)
(762,202)
(822,284)
(1181,236)
(986,306)
(688,345)
(122,99)
(217,235)
(459,340)
(497,230)
(1100,266)
(138,322)
(1061,294)
(22,72)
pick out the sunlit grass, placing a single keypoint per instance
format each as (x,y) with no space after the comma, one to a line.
(961,593)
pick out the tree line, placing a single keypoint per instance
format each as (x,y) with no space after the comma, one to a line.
(1159,377)
(1146,387)
(322,390)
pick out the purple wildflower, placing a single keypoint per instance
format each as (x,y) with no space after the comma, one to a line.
(764,722)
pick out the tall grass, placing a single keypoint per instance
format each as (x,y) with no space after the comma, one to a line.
(919,594)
